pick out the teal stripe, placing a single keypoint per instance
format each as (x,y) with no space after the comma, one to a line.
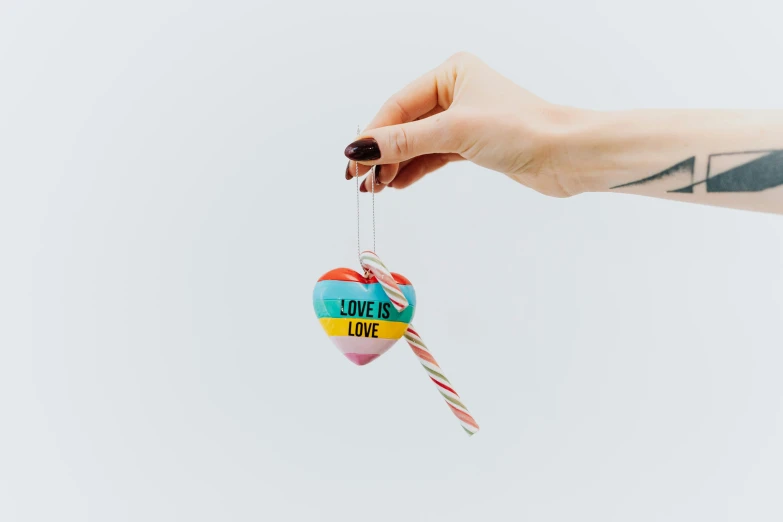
(340,308)
(332,290)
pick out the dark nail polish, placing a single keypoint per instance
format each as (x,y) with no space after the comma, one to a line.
(365,149)
(348,174)
(362,187)
(378,175)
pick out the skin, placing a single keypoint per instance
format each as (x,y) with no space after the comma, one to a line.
(464,110)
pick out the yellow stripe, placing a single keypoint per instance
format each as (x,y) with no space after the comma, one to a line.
(383,330)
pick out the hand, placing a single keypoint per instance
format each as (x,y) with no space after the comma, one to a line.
(464,110)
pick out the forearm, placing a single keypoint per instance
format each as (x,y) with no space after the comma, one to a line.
(714,157)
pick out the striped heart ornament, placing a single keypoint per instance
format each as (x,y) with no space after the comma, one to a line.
(364,315)
(361,317)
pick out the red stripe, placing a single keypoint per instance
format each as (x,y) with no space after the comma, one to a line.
(346,274)
(461,415)
(401,279)
(421,354)
(399,306)
(411,330)
(444,386)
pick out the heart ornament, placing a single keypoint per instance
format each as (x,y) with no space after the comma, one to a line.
(359,316)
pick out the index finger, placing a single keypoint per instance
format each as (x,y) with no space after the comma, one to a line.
(418,98)
(414,100)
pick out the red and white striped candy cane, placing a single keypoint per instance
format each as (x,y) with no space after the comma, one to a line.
(371,262)
(374,265)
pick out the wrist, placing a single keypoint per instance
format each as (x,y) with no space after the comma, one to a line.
(591,147)
(605,149)
(575,144)
(588,147)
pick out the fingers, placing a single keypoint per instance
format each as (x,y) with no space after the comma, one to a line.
(433,112)
(390,169)
(366,185)
(384,175)
(413,101)
(396,143)
(409,172)
(420,167)
(351,171)
(429,94)
(372,182)
(426,96)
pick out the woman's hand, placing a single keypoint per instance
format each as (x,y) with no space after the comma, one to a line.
(464,110)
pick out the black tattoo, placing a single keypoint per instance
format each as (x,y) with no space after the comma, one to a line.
(747,171)
(683,166)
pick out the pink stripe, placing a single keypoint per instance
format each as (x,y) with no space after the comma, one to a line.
(464,417)
(421,354)
(361,358)
(362,345)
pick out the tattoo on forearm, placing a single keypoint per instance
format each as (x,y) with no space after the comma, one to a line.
(747,171)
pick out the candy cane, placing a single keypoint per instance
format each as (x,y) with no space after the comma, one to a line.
(375,266)
(373,263)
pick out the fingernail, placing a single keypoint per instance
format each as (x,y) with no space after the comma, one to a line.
(362,188)
(378,175)
(365,149)
(348,171)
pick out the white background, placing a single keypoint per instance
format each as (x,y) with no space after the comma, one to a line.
(171,186)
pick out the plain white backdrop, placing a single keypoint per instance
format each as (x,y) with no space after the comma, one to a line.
(171,187)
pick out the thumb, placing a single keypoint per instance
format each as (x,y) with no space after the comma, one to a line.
(397,143)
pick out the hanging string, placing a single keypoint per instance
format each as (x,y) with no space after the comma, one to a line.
(374,267)
(358,228)
(371,174)
(372,177)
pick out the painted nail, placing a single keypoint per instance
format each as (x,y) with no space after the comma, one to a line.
(348,174)
(362,187)
(365,149)
(378,175)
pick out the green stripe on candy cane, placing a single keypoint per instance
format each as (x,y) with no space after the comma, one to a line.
(436,374)
(453,400)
